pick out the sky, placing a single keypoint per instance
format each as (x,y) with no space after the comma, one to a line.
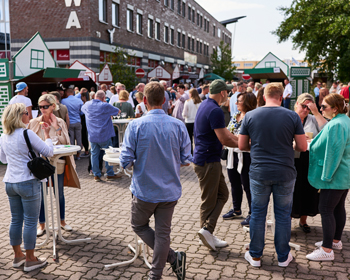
(253,38)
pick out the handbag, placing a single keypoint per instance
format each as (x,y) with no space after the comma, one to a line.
(224,154)
(40,167)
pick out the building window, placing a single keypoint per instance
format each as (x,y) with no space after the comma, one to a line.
(208,26)
(213,30)
(115,14)
(157,30)
(183,9)
(166,34)
(197,18)
(172,5)
(37,59)
(204,49)
(152,63)
(178,39)
(250,65)
(236,64)
(270,64)
(192,44)
(135,61)
(219,32)
(150,28)
(201,21)
(197,49)
(172,36)
(205,24)
(200,47)
(179,7)
(139,23)
(129,20)
(189,13)
(193,17)
(166,3)
(207,50)
(102,7)
(189,43)
(183,40)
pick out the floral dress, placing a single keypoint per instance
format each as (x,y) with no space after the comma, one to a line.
(234,126)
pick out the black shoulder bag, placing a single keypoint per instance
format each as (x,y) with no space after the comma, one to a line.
(40,167)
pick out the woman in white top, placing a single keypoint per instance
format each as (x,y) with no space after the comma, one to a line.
(189,112)
(22,188)
(141,109)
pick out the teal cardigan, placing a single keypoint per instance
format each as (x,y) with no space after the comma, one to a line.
(329,165)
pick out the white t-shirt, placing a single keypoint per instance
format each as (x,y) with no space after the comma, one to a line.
(109,94)
(288,90)
(141,108)
(21,99)
(190,111)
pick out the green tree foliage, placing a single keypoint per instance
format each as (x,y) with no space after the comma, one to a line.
(222,62)
(120,70)
(321,28)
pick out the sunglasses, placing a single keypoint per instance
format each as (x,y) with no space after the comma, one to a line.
(305,107)
(25,113)
(323,107)
(44,107)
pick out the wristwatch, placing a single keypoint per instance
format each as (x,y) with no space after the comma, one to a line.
(58,129)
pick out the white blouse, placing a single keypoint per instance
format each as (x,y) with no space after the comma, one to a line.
(14,152)
(190,111)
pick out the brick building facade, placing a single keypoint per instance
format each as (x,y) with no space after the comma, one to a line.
(166,32)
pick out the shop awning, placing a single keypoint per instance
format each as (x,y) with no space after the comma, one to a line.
(266,73)
(50,75)
(212,77)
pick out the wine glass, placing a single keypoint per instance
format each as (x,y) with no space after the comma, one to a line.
(54,140)
(123,115)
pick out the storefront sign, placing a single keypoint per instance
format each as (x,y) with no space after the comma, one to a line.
(62,55)
(191,58)
(73,20)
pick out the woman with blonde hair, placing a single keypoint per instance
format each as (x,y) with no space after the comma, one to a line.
(123,104)
(189,112)
(329,173)
(22,188)
(66,165)
(141,109)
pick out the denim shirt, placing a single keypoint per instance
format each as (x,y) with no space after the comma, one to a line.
(157,144)
(73,105)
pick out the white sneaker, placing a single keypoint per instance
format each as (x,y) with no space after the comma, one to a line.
(207,238)
(320,255)
(40,232)
(67,227)
(336,246)
(218,242)
(252,262)
(286,263)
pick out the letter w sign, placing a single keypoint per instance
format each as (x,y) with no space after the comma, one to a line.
(76,3)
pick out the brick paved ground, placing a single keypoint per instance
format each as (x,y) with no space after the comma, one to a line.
(101,211)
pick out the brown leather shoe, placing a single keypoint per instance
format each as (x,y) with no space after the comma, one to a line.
(97,179)
(114,177)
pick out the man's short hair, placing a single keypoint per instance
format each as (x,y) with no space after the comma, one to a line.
(181,86)
(57,94)
(205,87)
(154,93)
(103,85)
(273,90)
(100,94)
(154,79)
(239,84)
(163,82)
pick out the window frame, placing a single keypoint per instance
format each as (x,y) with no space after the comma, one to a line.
(115,14)
(130,20)
(102,15)
(157,31)
(37,59)
(150,27)
(166,34)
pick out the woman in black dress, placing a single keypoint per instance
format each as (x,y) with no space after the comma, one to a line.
(305,197)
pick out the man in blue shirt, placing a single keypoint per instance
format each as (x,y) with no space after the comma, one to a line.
(271,129)
(156,145)
(99,124)
(242,87)
(210,133)
(74,105)
(317,89)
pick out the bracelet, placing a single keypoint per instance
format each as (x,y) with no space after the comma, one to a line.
(58,129)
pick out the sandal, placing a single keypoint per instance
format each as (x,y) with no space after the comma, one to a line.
(305,228)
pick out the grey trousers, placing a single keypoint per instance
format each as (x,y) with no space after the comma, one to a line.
(75,133)
(158,239)
(214,193)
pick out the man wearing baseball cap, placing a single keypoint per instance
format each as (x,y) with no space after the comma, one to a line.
(22,92)
(210,133)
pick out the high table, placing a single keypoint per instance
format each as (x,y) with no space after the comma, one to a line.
(59,151)
(121,124)
(114,161)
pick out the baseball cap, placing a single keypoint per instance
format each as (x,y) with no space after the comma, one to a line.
(20,86)
(218,85)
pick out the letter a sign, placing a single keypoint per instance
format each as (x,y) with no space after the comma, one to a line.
(73,20)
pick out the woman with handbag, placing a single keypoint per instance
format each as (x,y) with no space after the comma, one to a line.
(59,135)
(22,188)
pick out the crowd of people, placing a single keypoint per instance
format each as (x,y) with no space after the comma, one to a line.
(301,157)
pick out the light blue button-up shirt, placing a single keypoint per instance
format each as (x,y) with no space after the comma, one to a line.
(98,120)
(233,105)
(73,105)
(157,144)
(316,91)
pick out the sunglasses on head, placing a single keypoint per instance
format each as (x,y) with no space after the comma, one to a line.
(305,107)
(44,107)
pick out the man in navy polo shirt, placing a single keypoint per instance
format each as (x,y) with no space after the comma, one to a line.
(210,133)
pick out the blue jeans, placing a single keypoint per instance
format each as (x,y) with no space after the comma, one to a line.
(282,201)
(286,103)
(61,199)
(95,152)
(24,198)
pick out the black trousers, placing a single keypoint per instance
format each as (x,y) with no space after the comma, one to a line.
(189,127)
(84,134)
(333,215)
(237,180)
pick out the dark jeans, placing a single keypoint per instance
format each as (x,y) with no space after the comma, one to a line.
(333,215)
(158,239)
(100,163)
(189,127)
(84,134)
(237,180)
(286,103)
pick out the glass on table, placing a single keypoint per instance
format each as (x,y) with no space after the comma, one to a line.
(123,115)
(54,140)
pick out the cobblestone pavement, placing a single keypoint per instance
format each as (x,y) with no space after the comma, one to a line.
(101,211)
